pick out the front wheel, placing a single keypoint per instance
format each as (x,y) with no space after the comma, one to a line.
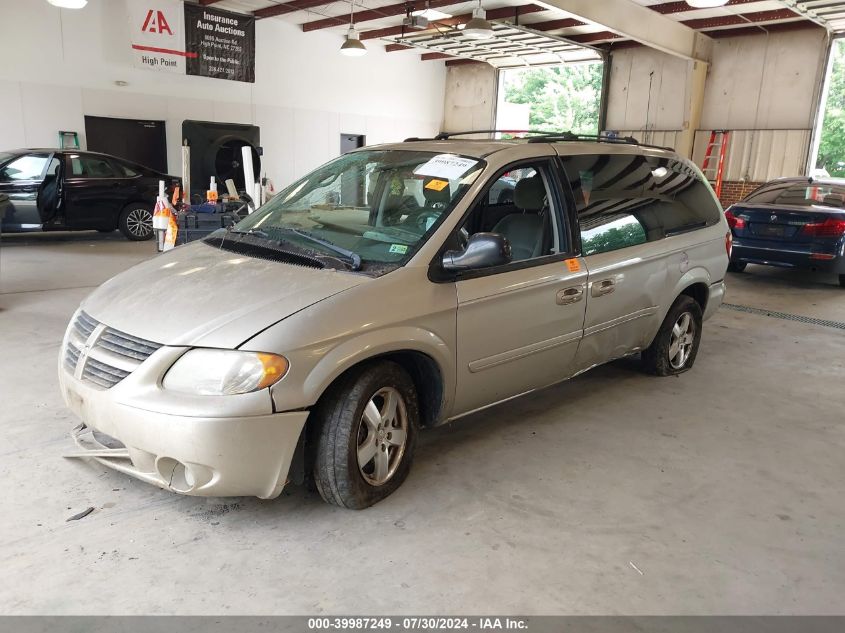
(737,267)
(674,349)
(365,433)
(136,222)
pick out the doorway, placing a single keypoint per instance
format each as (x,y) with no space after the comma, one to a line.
(828,153)
(559,98)
(348,142)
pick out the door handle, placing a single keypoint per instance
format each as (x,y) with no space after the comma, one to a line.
(603,287)
(573,294)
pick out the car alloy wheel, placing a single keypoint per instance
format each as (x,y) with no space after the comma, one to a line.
(139,222)
(681,341)
(382,435)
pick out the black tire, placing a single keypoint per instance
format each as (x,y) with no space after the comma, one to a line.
(339,430)
(737,267)
(136,222)
(656,357)
(842,280)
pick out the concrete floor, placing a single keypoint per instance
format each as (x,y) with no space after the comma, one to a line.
(721,491)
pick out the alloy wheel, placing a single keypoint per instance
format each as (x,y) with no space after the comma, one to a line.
(681,341)
(139,222)
(382,435)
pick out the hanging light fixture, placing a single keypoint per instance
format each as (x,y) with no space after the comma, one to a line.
(478,28)
(352,46)
(68,4)
(706,4)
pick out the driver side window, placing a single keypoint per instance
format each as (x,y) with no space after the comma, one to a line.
(519,205)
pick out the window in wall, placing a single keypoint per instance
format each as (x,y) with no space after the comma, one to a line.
(629,199)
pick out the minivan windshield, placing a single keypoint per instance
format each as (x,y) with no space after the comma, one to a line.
(371,209)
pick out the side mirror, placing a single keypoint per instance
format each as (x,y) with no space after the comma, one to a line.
(483,250)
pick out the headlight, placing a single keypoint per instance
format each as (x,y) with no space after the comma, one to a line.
(220,372)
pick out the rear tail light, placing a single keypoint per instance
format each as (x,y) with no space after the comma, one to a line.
(729,243)
(829,228)
(733,221)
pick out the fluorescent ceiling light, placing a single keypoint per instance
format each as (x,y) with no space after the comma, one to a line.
(706,4)
(68,4)
(431,14)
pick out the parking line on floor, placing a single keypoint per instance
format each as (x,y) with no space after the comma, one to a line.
(785,315)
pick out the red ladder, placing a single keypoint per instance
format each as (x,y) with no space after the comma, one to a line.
(718,138)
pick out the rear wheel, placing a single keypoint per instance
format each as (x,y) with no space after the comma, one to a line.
(136,222)
(737,267)
(675,347)
(365,433)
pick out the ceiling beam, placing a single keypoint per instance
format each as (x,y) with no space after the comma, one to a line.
(374,14)
(492,14)
(205,3)
(289,7)
(742,18)
(636,22)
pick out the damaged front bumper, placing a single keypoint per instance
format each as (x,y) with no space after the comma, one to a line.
(136,428)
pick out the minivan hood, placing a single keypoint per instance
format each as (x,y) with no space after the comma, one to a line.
(200,295)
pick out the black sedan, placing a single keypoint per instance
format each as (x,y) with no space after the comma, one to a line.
(70,190)
(791,222)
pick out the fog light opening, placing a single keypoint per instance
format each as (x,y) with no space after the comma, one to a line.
(175,474)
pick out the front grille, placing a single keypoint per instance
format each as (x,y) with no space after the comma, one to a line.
(106,355)
(101,374)
(71,358)
(126,345)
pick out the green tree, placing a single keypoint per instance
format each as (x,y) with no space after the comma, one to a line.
(832,145)
(561,98)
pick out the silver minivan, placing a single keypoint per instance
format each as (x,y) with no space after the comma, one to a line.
(394,288)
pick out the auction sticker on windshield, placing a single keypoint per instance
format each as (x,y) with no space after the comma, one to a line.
(447,166)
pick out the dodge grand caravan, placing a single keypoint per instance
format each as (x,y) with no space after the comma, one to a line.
(387,291)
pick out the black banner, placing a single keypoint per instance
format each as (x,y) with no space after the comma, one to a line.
(224,43)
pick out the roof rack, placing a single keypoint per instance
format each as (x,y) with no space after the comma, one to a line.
(542,136)
(445,136)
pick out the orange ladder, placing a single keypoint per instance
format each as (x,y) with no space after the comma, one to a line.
(718,138)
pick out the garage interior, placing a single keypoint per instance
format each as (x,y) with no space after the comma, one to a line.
(716,492)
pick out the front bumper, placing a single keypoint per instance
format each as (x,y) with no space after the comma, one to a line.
(195,455)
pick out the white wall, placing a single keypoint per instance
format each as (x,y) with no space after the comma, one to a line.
(470,98)
(59,65)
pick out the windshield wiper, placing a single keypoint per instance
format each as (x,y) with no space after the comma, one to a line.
(255,232)
(353,258)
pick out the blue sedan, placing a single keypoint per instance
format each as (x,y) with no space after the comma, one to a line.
(793,223)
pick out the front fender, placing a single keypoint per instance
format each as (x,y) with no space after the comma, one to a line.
(328,362)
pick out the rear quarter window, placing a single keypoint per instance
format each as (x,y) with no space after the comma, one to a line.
(623,200)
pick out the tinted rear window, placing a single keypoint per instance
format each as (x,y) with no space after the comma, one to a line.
(625,200)
(799,194)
